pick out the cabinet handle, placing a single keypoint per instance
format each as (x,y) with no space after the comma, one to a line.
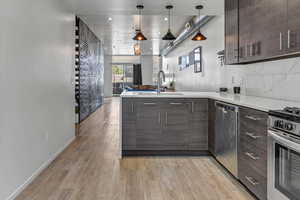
(175,103)
(252,156)
(149,103)
(132,107)
(159,118)
(251,180)
(289,39)
(166,123)
(252,135)
(192,107)
(253,118)
(280,41)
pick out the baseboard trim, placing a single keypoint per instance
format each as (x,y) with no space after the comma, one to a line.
(38,172)
(165,153)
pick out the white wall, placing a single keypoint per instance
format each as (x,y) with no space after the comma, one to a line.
(209,79)
(147,69)
(275,79)
(37,93)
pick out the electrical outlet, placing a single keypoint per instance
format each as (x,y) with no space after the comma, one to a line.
(233,80)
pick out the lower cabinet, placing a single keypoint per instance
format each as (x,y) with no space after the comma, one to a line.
(176,124)
(252,153)
(211,126)
(148,131)
(164,124)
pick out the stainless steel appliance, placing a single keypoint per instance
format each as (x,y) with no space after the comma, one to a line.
(226,127)
(284,154)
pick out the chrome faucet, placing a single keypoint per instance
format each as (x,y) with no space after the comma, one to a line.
(159,81)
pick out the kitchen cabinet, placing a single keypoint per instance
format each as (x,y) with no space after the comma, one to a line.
(176,123)
(256,33)
(164,124)
(128,124)
(267,29)
(198,131)
(148,124)
(252,151)
(211,126)
(231,31)
(293,26)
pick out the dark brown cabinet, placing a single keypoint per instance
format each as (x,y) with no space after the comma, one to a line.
(148,124)
(267,29)
(211,126)
(231,31)
(252,151)
(128,124)
(164,124)
(175,124)
(293,26)
(198,130)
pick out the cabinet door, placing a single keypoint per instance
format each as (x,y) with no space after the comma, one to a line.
(199,125)
(262,25)
(128,124)
(211,126)
(273,29)
(293,32)
(231,32)
(148,125)
(245,26)
(176,124)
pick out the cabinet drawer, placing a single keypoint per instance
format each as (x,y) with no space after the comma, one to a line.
(256,158)
(253,119)
(252,139)
(256,183)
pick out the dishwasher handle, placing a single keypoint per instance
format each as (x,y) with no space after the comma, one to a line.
(226,107)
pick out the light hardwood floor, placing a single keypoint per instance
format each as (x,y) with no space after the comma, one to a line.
(89,169)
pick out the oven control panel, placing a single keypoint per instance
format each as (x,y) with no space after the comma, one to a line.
(284,125)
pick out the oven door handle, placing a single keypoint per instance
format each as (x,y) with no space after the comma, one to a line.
(284,141)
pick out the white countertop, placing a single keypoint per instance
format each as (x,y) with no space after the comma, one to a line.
(259,103)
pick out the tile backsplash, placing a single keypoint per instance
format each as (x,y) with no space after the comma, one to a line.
(274,79)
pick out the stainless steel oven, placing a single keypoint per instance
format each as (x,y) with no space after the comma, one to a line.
(283,158)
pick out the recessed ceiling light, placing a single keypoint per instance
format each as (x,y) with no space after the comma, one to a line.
(166,19)
(109,19)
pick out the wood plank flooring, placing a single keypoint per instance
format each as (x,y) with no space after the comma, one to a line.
(89,169)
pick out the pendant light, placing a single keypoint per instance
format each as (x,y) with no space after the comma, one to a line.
(139,35)
(169,35)
(199,36)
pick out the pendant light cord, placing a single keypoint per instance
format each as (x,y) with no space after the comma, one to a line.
(199,14)
(140,23)
(169,19)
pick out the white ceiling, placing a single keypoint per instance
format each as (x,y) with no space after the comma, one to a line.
(117,34)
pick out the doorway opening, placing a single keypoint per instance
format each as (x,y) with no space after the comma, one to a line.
(122,77)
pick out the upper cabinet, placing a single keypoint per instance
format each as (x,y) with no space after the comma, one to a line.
(266,29)
(293,26)
(231,31)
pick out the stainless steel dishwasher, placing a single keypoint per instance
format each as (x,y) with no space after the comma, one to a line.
(226,127)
